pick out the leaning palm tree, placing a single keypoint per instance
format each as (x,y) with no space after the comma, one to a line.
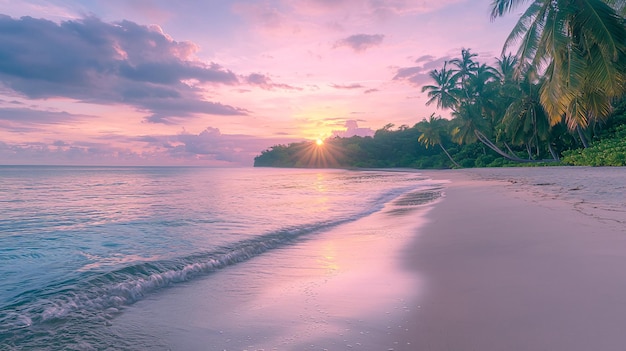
(444,91)
(469,123)
(579,47)
(432,131)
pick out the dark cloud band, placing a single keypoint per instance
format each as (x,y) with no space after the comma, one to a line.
(109,63)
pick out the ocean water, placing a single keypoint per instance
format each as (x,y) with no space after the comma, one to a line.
(79,245)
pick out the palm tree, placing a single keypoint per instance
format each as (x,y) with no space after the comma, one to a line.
(466,67)
(579,47)
(469,123)
(444,91)
(483,89)
(525,120)
(432,131)
(477,81)
(469,104)
(505,69)
(474,93)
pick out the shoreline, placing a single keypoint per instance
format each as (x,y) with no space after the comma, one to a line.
(344,289)
(507,259)
(516,260)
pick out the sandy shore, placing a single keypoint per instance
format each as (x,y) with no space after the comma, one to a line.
(509,259)
(522,259)
(343,289)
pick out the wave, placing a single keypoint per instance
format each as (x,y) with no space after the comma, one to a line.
(98,297)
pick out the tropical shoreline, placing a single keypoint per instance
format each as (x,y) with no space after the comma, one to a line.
(507,259)
(523,259)
(343,288)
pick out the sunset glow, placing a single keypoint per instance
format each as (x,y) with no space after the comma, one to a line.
(215,83)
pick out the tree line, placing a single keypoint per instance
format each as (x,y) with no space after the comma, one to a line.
(559,98)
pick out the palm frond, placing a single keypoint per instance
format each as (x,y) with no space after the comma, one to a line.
(522,26)
(500,7)
(603,26)
(576,115)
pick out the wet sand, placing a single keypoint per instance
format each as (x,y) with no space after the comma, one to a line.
(509,259)
(522,259)
(343,289)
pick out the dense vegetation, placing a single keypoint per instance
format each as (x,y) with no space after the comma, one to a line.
(559,99)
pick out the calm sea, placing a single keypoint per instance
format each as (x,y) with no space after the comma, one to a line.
(80,244)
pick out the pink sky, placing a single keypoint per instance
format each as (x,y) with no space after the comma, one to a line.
(216,82)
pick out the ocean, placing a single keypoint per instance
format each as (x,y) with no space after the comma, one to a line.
(84,251)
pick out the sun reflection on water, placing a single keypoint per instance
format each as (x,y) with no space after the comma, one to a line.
(328,258)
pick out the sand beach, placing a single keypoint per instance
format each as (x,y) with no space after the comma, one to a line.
(505,259)
(523,259)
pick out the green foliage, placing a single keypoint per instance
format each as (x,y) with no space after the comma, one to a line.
(563,87)
(388,148)
(605,152)
(401,148)
(579,48)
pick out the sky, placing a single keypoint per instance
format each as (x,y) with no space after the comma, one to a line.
(215,82)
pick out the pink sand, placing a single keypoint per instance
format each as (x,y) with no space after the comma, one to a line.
(509,266)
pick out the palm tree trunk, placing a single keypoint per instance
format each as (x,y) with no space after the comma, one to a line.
(508,148)
(537,147)
(582,137)
(450,157)
(483,139)
(554,155)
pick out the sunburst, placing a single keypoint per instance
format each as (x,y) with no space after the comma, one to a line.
(319,154)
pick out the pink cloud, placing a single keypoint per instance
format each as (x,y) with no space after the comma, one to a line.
(265,82)
(419,74)
(360,42)
(352,129)
(347,86)
(210,147)
(109,63)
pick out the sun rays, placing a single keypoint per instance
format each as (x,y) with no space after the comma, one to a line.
(319,153)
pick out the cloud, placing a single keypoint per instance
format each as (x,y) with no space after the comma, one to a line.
(210,147)
(360,42)
(352,129)
(369,91)
(169,111)
(266,82)
(264,14)
(61,152)
(31,116)
(425,58)
(377,9)
(23,119)
(393,8)
(109,63)
(347,86)
(420,74)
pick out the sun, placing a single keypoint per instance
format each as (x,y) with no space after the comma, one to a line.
(318,153)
